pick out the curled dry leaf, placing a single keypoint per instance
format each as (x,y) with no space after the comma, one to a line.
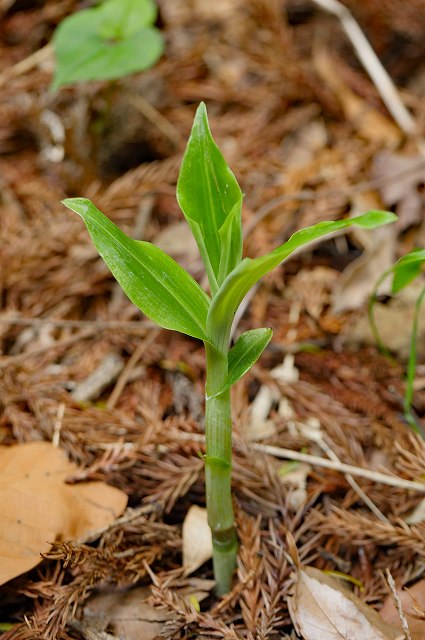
(321,608)
(37,507)
(197,543)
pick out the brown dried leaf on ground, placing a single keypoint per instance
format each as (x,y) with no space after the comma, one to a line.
(353,288)
(197,542)
(412,601)
(38,508)
(405,190)
(322,609)
(369,123)
(131,615)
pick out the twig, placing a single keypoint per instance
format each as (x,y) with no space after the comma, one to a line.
(27,355)
(375,476)
(103,376)
(130,325)
(289,454)
(353,484)
(156,118)
(57,427)
(398,605)
(372,65)
(123,379)
(26,64)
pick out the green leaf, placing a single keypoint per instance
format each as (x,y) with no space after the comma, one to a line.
(152,280)
(211,200)
(249,271)
(245,352)
(106,42)
(407,269)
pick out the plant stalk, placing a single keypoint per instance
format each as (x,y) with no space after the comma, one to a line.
(218,469)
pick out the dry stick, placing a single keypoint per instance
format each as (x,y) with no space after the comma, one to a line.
(396,599)
(27,64)
(22,357)
(372,65)
(123,379)
(128,325)
(289,454)
(375,476)
(353,484)
(152,114)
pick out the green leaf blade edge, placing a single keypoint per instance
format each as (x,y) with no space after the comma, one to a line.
(208,193)
(249,271)
(407,269)
(152,280)
(245,353)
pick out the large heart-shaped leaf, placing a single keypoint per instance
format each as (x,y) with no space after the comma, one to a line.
(153,281)
(106,42)
(211,200)
(249,271)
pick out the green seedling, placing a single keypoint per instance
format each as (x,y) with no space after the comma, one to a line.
(403,272)
(106,42)
(211,201)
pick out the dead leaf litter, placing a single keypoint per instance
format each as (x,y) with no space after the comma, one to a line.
(110,408)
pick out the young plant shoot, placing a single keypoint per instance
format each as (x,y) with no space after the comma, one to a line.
(106,42)
(403,272)
(211,201)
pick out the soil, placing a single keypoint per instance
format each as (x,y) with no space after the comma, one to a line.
(303,128)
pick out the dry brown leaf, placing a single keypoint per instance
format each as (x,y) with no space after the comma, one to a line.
(413,603)
(398,312)
(370,123)
(406,190)
(321,608)
(356,283)
(38,508)
(197,542)
(130,615)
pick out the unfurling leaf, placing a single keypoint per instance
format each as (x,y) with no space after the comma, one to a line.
(211,200)
(152,280)
(245,352)
(249,271)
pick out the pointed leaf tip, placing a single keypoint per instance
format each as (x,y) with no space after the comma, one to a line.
(374,218)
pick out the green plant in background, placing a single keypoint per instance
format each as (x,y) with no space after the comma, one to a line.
(404,271)
(211,201)
(106,42)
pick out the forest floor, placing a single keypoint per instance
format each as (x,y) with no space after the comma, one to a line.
(306,134)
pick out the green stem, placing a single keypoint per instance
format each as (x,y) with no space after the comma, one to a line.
(218,469)
(411,370)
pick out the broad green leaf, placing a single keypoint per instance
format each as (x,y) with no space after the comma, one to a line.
(245,352)
(106,42)
(249,271)
(152,280)
(407,269)
(209,195)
